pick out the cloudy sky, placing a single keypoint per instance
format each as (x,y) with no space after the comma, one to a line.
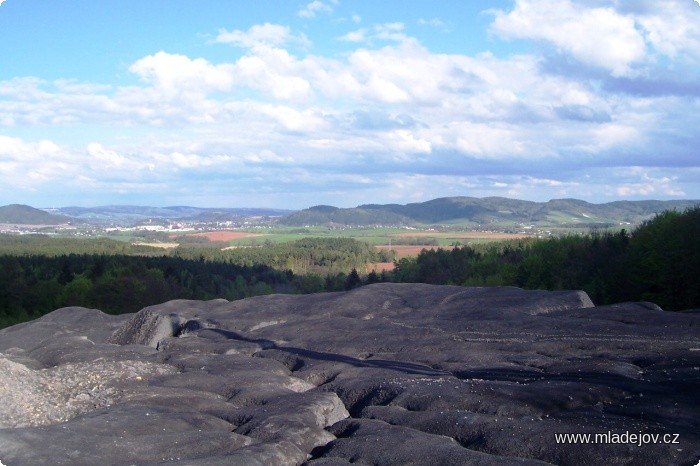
(291,104)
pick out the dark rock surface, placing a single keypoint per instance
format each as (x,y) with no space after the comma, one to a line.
(384,374)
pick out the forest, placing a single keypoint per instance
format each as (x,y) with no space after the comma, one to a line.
(659,261)
(39,274)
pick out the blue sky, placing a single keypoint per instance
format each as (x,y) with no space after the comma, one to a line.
(291,104)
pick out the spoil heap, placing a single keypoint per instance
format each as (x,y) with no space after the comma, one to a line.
(383,374)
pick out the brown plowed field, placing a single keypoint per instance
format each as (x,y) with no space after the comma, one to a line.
(227,235)
(380,267)
(401,251)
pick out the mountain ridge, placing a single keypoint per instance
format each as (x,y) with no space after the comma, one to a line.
(458,211)
(489,211)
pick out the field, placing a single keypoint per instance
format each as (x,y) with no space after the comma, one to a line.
(379,267)
(375,236)
(402,250)
(404,242)
(226,235)
(158,245)
(459,235)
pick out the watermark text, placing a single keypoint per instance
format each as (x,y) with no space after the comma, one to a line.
(611,438)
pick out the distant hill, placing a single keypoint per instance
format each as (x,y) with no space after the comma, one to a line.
(495,211)
(26,215)
(363,215)
(133,214)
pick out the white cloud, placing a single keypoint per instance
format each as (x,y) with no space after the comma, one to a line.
(173,73)
(359,35)
(644,182)
(670,27)
(397,105)
(273,71)
(596,36)
(295,120)
(105,159)
(316,6)
(29,165)
(267,156)
(435,22)
(404,141)
(391,31)
(623,39)
(481,106)
(484,140)
(267,34)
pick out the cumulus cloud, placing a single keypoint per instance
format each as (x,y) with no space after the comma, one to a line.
(30,164)
(273,71)
(389,108)
(670,27)
(173,73)
(596,36)
(620,37)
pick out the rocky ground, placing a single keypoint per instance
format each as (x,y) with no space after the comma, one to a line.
(384,374)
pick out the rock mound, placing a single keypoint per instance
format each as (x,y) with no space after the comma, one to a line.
(383,374)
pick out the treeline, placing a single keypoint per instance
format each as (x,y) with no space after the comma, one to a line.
(43,245)
(307,255)
(31,286)
(658,262)
(43,274)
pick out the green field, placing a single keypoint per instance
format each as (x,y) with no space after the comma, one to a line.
(281,235)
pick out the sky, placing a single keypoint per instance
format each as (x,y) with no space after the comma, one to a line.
(290,104)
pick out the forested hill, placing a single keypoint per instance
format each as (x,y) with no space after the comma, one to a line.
(26,215)
(489,211)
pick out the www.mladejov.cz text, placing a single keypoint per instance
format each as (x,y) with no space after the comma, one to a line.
(606,438)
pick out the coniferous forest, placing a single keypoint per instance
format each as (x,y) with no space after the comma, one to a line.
(39,274)
(659,261)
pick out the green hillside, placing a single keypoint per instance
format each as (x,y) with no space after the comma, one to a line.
(26,215)
(363,215)
(497,211)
